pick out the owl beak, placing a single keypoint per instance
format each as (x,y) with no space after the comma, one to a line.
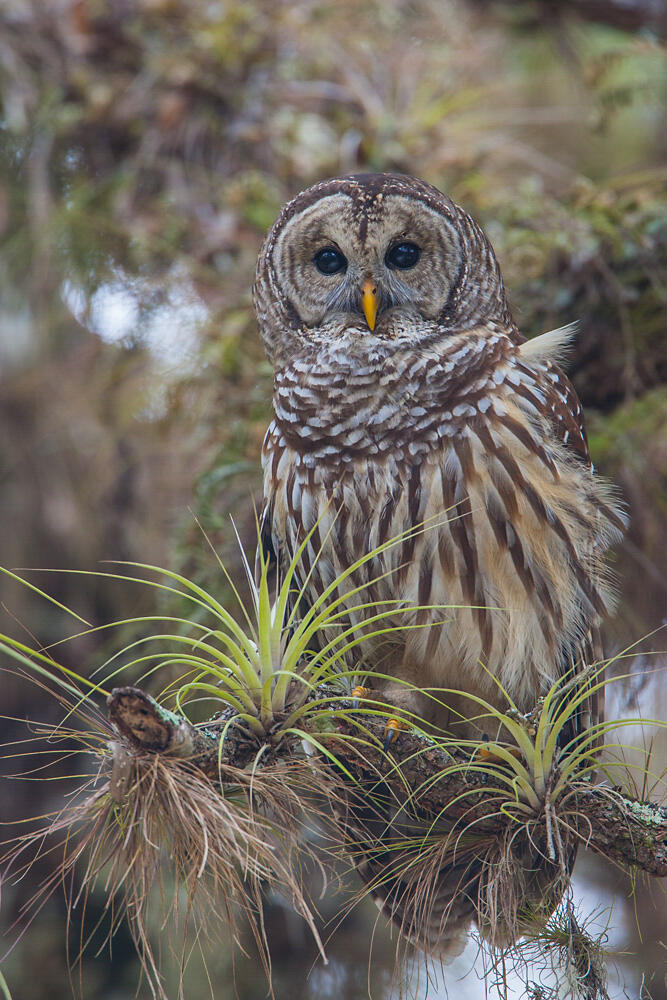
(369,302)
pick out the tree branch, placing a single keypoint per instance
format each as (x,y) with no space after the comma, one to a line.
(628,831)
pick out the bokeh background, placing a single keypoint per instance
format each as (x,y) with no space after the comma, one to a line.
(145,148)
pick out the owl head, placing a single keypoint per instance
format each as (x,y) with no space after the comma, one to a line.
(374,257)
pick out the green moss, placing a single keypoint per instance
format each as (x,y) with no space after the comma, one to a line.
(621,436)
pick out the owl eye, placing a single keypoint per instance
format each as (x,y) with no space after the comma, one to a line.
(402,256)
(329,261)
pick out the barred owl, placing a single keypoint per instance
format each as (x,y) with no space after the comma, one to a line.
(406,398)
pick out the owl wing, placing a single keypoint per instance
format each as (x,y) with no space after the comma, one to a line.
(566,419)
(564,414)
(434,908)
(269,547)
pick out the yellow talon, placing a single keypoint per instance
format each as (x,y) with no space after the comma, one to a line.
(489,755)
(393,726)
(358,694)
(392,729)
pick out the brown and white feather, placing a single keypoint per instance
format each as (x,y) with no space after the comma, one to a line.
(442,427)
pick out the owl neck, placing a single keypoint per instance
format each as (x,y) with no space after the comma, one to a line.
(342,400)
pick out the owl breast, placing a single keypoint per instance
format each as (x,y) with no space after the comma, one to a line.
(486,529)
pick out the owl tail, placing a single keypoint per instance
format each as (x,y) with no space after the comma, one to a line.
(432,904)
(519,890)
(434,915)
(433,888)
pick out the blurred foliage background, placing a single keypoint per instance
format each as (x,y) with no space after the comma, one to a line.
(145,148)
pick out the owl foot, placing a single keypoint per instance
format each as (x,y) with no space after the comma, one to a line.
(393,727)
(358,694)
(487,753)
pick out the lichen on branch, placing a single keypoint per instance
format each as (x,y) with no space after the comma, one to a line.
(628,831)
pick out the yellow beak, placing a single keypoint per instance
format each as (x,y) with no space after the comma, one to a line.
(369,302)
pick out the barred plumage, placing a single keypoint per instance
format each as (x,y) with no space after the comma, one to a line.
(440,415)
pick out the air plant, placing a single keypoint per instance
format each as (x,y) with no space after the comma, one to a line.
(507,835)
(276,680)
(274,668)
(140,819)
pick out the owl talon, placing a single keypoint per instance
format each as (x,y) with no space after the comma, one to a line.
(489,755)
(391,730)
(358,694)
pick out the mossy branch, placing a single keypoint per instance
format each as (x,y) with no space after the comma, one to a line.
(630,832)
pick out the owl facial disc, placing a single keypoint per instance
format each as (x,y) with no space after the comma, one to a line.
(374,257)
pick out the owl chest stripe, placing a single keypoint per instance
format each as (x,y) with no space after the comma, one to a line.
(464,509)
(414,517)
